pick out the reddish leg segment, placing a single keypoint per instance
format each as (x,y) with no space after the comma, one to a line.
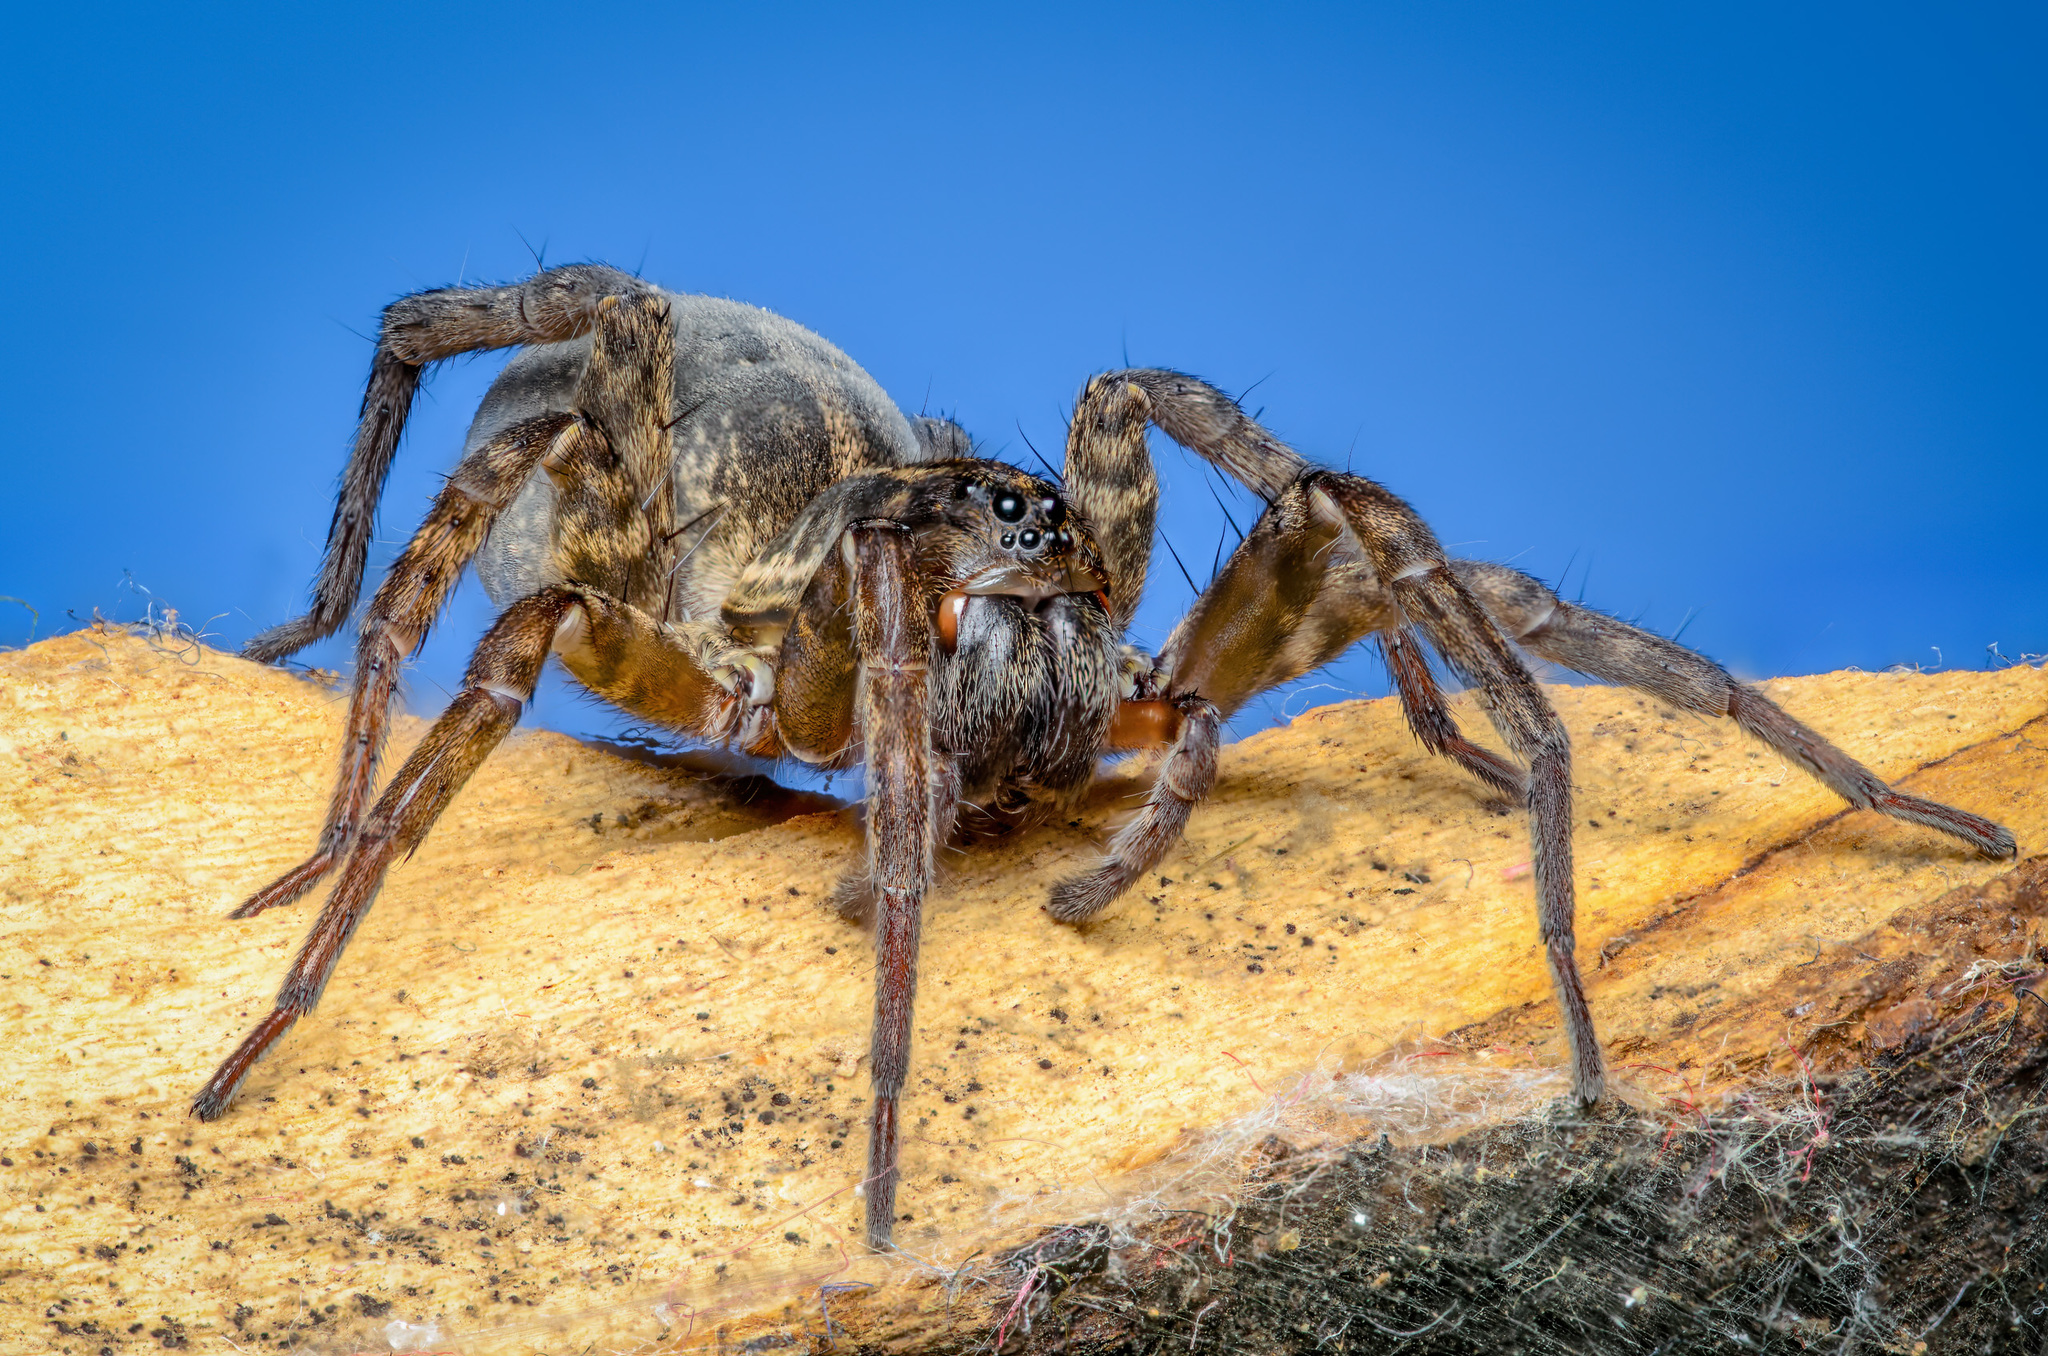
(893,637)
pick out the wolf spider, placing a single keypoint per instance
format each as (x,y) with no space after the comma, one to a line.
(722,525)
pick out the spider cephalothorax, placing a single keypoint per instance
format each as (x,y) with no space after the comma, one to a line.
(721,524)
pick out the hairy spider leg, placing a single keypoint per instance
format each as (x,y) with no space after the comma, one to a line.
(608,464)
(1602,647)
(418,330)
(1269,615)
(688,676)
(400,613)
(1223,650)
(500,679)
(1430,719)
(855,677)
(1302,588)
(893,637)
(853,897)
(620,652)
(614,500)
(1111,482)
(1404,552)
(1186,776)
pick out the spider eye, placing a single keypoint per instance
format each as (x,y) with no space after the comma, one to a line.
(1029,539)
(1009,507)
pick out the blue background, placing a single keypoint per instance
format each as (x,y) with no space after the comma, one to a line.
(1728,319)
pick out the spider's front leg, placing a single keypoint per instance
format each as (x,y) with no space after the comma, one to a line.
(892,638)
(1112,483)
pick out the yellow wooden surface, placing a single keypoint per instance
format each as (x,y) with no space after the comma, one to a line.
(593,1069)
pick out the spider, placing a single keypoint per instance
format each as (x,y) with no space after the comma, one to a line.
(721,524)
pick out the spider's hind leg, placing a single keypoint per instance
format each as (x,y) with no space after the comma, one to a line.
(609,461)
(1404,554)
(1596,644)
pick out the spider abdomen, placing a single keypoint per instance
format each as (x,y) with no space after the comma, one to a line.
(764,415)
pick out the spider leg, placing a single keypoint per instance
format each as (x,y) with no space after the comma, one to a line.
(1185,778)
(853,898)
(893,637)
(614,498)
(404,607)
(1297,594)
(1430,718)
(1228,645)
(607,460)
(419,330)
(1269,586)
(1111,482)
(500,679)
(1598,645)
(1278,609)
(667,673)
(1404,552)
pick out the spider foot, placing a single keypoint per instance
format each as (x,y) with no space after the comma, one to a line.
(1992,840)
(1083,897)
(213,1099)
(1589,1085)
(1588,1064)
